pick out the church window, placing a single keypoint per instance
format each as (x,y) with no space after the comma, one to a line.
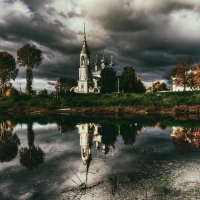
(82,60)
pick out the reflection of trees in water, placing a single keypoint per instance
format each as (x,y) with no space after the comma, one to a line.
(8,142)
(129,132)
(32,156)
(65,128)
(65,123)
(109,134)
(161,125)
(184,138)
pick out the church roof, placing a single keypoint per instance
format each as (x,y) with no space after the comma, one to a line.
(85,49)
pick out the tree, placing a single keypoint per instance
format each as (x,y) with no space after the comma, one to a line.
(182,75)
(139,86)
(65,84)
(197,77)
(43,92)
(157,86)
(8,70)
(12,91)
(108,79)
(128,79)
(31,57)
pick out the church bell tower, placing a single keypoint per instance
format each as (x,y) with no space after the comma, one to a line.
(84,69)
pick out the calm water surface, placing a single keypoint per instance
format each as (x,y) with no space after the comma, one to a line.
(65,157)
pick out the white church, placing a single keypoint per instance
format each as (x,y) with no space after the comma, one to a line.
(88,78)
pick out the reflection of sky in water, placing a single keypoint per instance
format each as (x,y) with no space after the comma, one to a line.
(63,168)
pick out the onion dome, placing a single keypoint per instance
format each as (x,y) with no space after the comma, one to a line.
(104,60)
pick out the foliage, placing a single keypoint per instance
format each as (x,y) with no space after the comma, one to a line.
(65,84)
(197,77)
(74,100)
(43,92)
(139,86)
(157,86)
(12,92)
(182,75)
(108,79)
(8,69)
(31,57)
(128,79)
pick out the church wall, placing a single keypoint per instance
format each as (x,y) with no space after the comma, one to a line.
(82,86)
(83,73)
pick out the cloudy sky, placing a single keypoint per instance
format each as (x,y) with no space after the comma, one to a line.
(149,35)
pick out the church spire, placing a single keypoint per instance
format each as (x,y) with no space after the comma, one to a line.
(84,33)
(85,49)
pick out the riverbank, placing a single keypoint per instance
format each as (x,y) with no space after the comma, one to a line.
(137,109)
(165,103)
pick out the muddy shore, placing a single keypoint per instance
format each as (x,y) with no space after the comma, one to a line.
(142,110)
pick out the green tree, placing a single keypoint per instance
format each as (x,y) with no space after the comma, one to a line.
(31,57)
(108,79)
(44,92)
(65,84)
(182,75)
(139,86)
(8,70)
(128,79)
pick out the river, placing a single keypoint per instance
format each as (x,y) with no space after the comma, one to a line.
(69,157)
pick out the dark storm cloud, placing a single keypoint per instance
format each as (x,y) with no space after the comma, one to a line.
(168,7)
(36,4)
(147,36)
(50,83)
(151,35)
(51,34)
(55,69)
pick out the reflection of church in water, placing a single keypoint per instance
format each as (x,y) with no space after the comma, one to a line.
(89,134)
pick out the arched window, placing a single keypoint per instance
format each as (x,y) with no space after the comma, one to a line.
(82,60)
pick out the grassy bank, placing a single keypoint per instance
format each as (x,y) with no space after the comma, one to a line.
(72,100)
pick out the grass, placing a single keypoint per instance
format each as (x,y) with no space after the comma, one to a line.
(168,99)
